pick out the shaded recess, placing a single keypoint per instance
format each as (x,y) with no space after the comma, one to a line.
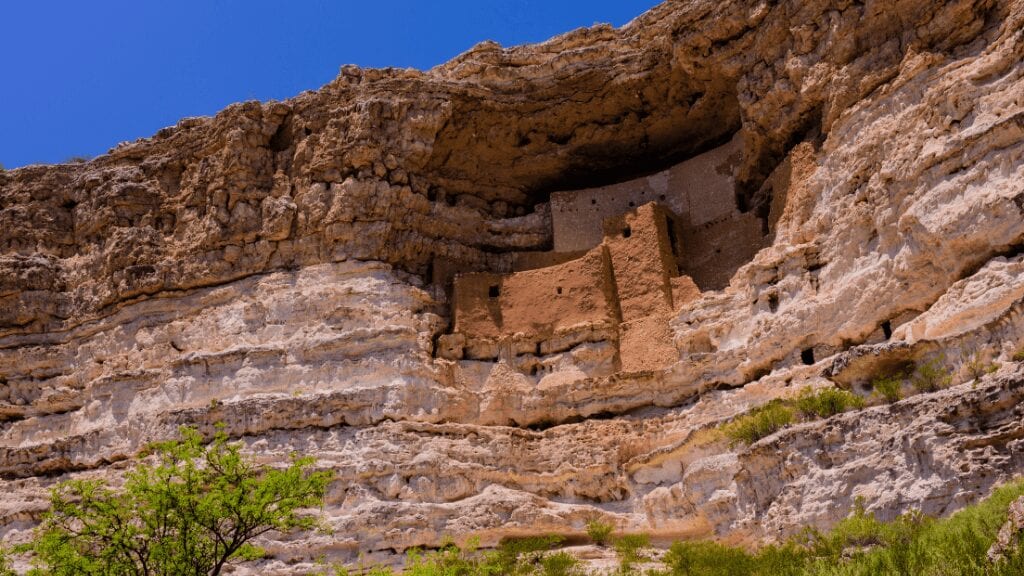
(624,257)
(587,128)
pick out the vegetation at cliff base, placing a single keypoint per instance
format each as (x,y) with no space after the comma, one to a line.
(860,545)
(192,509)
(599,531)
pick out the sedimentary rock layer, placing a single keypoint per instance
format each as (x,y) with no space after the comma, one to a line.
(271,268)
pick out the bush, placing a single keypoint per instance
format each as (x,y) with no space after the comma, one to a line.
(759,422)
(827,402)
(518,557)
(193,511)
(931,376)
(450,559)
(707,559)
(628,549)
(5,569)
(512,552)
(599,531)
(559,564)
(888,387)
(977,366)
(1018,356)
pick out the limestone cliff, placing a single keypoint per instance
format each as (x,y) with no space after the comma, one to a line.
(292,269)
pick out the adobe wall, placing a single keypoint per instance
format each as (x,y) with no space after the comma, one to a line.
(643,266)
(706,185)
(699,190)
(715,250)
(623,291)
(577,216)
(534,302)
(522,261)
(642,260)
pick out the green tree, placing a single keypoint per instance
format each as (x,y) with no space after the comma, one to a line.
(194,510)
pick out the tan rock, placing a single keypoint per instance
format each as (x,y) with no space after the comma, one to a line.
(286,269)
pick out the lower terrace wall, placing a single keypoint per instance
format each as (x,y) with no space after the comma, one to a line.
(534,302)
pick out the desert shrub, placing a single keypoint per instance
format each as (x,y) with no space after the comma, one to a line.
(522,555)
(518,557)
(450,560)
(1018,356)
(707,559)
(788,559)
(559,564)
(931,376)
(516,547)
(827,402)
(599,531)
(858,532)
(759,422)
(628,548)
(888,387)
(5,568)
(861,545)
(977,366)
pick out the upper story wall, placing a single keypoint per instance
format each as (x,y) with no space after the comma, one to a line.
(699,190)
(640,252)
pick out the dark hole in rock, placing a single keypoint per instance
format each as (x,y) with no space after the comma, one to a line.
(493,292)
(627,232)
(807,356)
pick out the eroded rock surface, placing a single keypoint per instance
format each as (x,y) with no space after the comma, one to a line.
(286,268)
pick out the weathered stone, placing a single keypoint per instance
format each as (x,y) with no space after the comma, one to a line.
(286,269)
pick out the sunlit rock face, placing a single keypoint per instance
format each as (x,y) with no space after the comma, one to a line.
(292,270)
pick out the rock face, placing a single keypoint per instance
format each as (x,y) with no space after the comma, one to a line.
(288,268)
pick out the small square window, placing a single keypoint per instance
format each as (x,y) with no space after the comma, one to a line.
(493,292)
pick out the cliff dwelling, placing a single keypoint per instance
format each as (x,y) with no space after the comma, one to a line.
(624,258)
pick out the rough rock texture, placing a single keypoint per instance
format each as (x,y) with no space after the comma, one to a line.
(272,268)
(1009,533)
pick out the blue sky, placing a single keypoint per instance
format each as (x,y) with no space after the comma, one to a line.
(81,76)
